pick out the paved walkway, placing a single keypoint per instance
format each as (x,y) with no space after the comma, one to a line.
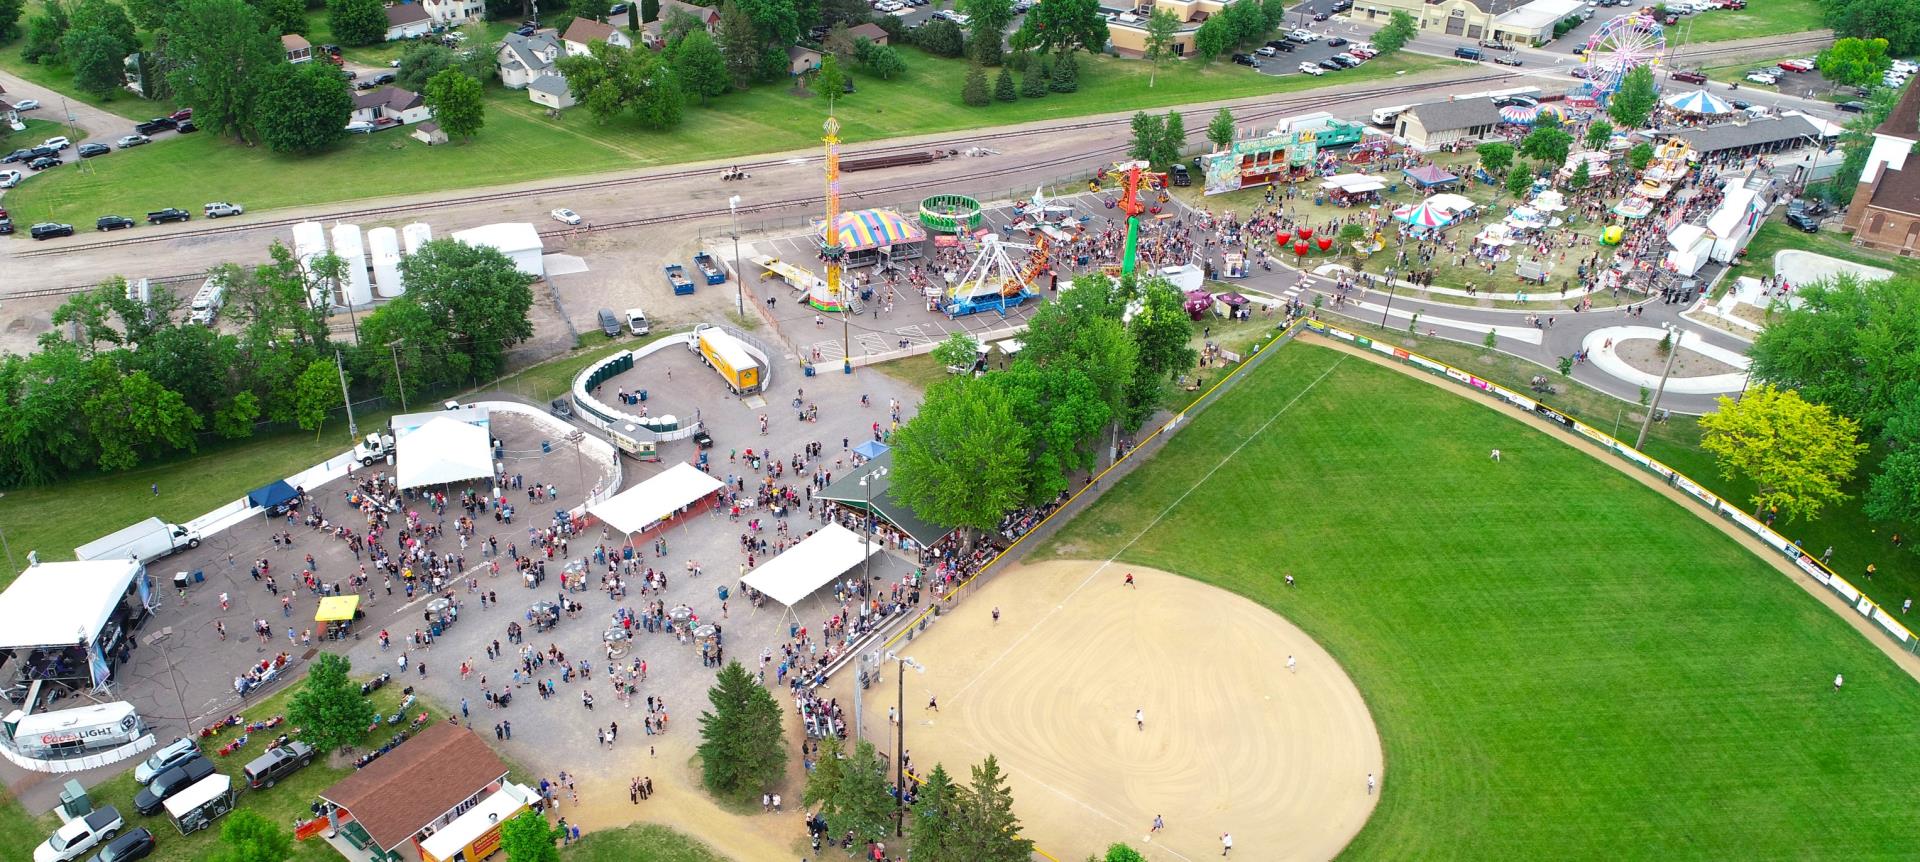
(1600,345)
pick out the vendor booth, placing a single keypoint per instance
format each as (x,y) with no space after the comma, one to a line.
(476,834)
(414,791)
(869,482)
(275,499)
(640,507)
(1352,188)
(1231,305)
(820,558)
(336,615)
(1429,176)
(67,624)
(442,452)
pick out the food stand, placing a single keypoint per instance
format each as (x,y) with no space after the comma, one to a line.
(336,615)
(475,835)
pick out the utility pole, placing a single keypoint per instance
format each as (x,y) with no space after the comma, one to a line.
(739,280)
(1647,421)
(398,384)
(353,428)
(1383,311)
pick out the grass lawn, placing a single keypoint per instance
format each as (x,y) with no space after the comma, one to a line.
(642,842)
(521,143)
(280,804)
(1776,236)
(1760,18)
(1517,630)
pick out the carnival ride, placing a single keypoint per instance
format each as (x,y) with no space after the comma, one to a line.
(1669,167)
(833,297)
(993,282)
(1620,45)
(1132,176)
(950,213)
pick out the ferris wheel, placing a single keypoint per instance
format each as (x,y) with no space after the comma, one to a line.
(1621,44)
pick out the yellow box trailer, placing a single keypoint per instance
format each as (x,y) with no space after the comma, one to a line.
(726,354)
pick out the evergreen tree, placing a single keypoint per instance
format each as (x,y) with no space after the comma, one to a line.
(1173,138)
(742,748)
(989,831)
(1066,75)
(740,45)
(1033,84)
(823,783)
(649,11)
(936,818)
(864,803)
(974,90)
(1003,88)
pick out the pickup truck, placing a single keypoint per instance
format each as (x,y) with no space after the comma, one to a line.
(157,124)
(79,835)
(167,215)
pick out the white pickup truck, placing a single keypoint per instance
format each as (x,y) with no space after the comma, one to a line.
(80,835)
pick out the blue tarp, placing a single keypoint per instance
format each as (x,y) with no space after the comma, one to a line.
(271,496)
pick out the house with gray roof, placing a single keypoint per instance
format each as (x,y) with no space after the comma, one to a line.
(523,59)
(1437,124)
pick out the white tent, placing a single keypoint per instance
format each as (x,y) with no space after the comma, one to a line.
(810,565)
(441,451)
(59,604)
(638,507)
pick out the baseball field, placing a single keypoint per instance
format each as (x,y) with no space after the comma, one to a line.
(1561,663)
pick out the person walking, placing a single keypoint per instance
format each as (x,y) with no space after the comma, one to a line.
(1140,719)
(1226,843)
(1158,824)
(1290,665)
(1838,681)
(1369,784)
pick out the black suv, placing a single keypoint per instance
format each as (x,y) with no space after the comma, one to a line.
(112,223)
(1280,45)
(1800,218)
(156,125)
(1247,60)
(137,844)
(167,215)
(88,151)
(45,162)
(170,782)
(48,229)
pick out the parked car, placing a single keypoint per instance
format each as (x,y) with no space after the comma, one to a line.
(9,179)
(1344,61)
(359,127)
(617,9)
(526,29)
(565,216)
(1312,69)
(170,782)
(112,222)
(79,835)
(1266,51)
(1247,60)
(155,125)
(1320,16)
(1803,220)
(186,127)
(45,162)
(1506,60)
(637,322)
(1689,77)
(1795,65)
(277,763)
(1336,42)
(181,116)
(48,230)
(1281,45)
(57,143)
(1762,77)
(560,407)
(23,154)
(1179,176)
(137,844)
(609,324)
(169,214)
(222,208)
(26,104)
(1468,53)
(133,141)
(1329,65)
(88,151)
(6,227)
(1852,107)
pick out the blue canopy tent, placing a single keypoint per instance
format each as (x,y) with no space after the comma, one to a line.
(275,498)
(870,449)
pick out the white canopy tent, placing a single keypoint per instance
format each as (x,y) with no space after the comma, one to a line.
(810,565)
(638,507)
(62,604)
(442,451)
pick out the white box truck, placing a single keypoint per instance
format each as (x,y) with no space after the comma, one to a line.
(86,728)
(146,541)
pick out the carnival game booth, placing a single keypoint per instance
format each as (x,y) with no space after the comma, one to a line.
(817,561)
(642,507)
(63,626)
(1429,176)
(412,793)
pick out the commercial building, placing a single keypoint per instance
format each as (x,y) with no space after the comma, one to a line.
(1436,124)
(1751,137)
(415,790)
(1512,21)
(1127,31)
(1885,213)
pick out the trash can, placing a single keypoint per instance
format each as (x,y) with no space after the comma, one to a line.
(180,580)
(807,370)
(199,576)
(546,447)
(643,395)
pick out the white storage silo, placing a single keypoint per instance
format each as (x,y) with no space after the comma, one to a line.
(383,249)
(415,235)
(350,246)
(309,242)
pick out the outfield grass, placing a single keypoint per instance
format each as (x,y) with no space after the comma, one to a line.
(1562,663)
(641,842)
(1760,18)
(521,143)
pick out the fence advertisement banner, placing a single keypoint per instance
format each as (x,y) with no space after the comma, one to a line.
(1553,415)
(1479,384)
(1840,585)
(1819,572)
(1687,485)
(1892,626)
(1426,363)
(1515,398)
(1457,374)
(1864,606)
(1752,525)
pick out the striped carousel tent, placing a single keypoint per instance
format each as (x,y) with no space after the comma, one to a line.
(1698,102)
(1519,115)
(1424,214)
(864,229)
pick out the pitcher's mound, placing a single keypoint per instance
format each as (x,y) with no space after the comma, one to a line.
(1234,742)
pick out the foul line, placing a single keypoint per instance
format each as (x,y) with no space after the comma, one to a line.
(1149,527)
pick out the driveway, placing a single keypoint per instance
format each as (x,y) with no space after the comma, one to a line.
(91,121)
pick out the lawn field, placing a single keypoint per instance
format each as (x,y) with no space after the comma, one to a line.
(1760,18)
(643,842)
(1562,664)
(520,143)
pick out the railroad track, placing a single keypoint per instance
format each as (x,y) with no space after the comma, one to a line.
(1786,46)
(1278,108)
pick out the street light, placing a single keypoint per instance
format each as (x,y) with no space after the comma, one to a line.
(739,286)
(900,745)
(867,482)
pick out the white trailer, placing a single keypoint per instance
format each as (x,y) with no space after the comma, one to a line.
(146,541)
(207,301)
(66,731)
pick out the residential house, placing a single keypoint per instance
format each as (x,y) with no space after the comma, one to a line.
(551,91)
(870,32)
(1885,213)
(583,32)
(651,33)
(453,13)
(389,105)
(298,49)
(524,59)
(428,133)
(1436,124)
(408,21)
(802,60)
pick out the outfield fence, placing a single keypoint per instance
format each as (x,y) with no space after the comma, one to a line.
(1807,562)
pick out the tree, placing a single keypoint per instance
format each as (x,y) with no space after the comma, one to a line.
(248,836)
(1161,330)
(132,415)
(328,707)
(1147,131)
(44,32)
(936,818)
(1892,20)
(941,38)
(314,393)
(702,68)
(678,25)
(1400,29)
(1003,87)
(1213,38)
(220,51)
(301,108)
(528,837)
(1520,181)
(1122,853)
(475,295)
(1851,345)
(284,16)
(884,62)
(1161,27)
(1633,103)
(739,43)
(1855,62)
(1797,454)
(633,16)
(828,80)
(823,781)
(1640,156)
(988,830)
(1549,144)
(987,22)
(1598,133)
(742,747)
(458,102)
(973,89)
(649,11)
(357,22)
(95,57)
(10,12)
(1033,83)
(863,803)
(1495,155)
(234,419)
(1581,178)
(1220,129)
(420,62)
(1894,493)
(1246,22)
(1172,140)
(959,460)
(1066,75)
(1065,26)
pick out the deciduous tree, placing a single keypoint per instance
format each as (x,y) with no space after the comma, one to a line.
(302,109)
(1892,20)
(1598,133)
(959,461)
(987,22)
(1639,156)
(1172,141)
(1213,38)
(1066,26)
(1633,102)
(284,16)
(1852,345)
(328,706)
(1798,454)
(10,12)
(1220,129)
(1147,130)
(357,22)
(420,62)
(702,68)
(315,393)
(739,44)
(1122,853)
(247,835)
(1495,155)
(528,837)
(828,80)
(940,38)
(131,415)
(1854,61)
(1400,29)
(1161,27)
(1549,144)
(885,63)
(1520,180)
(1581,178)
(742,747)
(221,52)
(476,295)
(458,102)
